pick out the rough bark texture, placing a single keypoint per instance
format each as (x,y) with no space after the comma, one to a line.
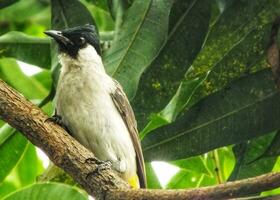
(223,191)
(85,169)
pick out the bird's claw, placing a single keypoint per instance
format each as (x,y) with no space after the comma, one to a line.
(58,120)
(103,165)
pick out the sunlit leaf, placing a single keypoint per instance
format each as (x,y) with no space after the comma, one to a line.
(27,172)
(195,164)
(47,191)
(28,86)
(10,153)
(152,180)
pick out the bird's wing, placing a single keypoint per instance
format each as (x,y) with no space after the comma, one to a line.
(121,102)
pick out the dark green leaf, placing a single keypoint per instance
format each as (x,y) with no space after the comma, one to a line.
(144,30)
(152,180)
(6,3)
(33,50)
(165,74)
(274,148)
(245,109)
(48,191)
(69,13)
(247,152)
(236,44)
(178,102)
(10,153)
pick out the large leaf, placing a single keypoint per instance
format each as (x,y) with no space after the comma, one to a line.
(163,77)
(144,30)
(246,152)
(28,49)
(27,172)
(47,191)
(11,152)
(28,86)
(195,164)
(236,44)
(245,109)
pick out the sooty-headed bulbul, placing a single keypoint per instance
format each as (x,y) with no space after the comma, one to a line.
(94,107)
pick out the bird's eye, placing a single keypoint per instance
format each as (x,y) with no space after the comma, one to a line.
(82,40)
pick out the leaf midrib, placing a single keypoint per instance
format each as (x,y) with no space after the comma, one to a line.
(133,39)
(210,122)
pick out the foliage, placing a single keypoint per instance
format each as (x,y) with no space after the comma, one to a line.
(195,72)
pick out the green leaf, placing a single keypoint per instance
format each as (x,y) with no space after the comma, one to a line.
(33,50)
(178,102)
(28,86)
(273,149)
(152,180)
(247,152)
(17,12)
(44,78)
(29,167)
(144,30)
(6,131)
(183,179)
(10,153)
(71,13)
(235,45)
(6,3)
(195,164)
(47,191)
(166,72)
(7,187)
(245,109)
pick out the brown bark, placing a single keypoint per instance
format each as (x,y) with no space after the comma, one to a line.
(85,169)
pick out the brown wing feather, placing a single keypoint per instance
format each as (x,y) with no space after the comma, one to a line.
(123,106)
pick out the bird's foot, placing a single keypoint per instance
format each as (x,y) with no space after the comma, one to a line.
(58,120)
(104,165)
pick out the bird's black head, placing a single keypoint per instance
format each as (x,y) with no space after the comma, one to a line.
(71,40)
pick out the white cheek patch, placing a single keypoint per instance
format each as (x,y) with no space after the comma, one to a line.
(88,54)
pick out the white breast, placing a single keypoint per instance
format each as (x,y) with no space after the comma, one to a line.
(83,101)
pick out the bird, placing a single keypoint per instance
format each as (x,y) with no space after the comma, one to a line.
(92,105)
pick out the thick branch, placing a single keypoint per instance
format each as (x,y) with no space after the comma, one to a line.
(81,164)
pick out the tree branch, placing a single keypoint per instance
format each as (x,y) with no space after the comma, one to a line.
(80,163)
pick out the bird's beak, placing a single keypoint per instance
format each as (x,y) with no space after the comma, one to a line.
(58,36)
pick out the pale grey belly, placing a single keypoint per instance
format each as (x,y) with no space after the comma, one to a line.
(95,122)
